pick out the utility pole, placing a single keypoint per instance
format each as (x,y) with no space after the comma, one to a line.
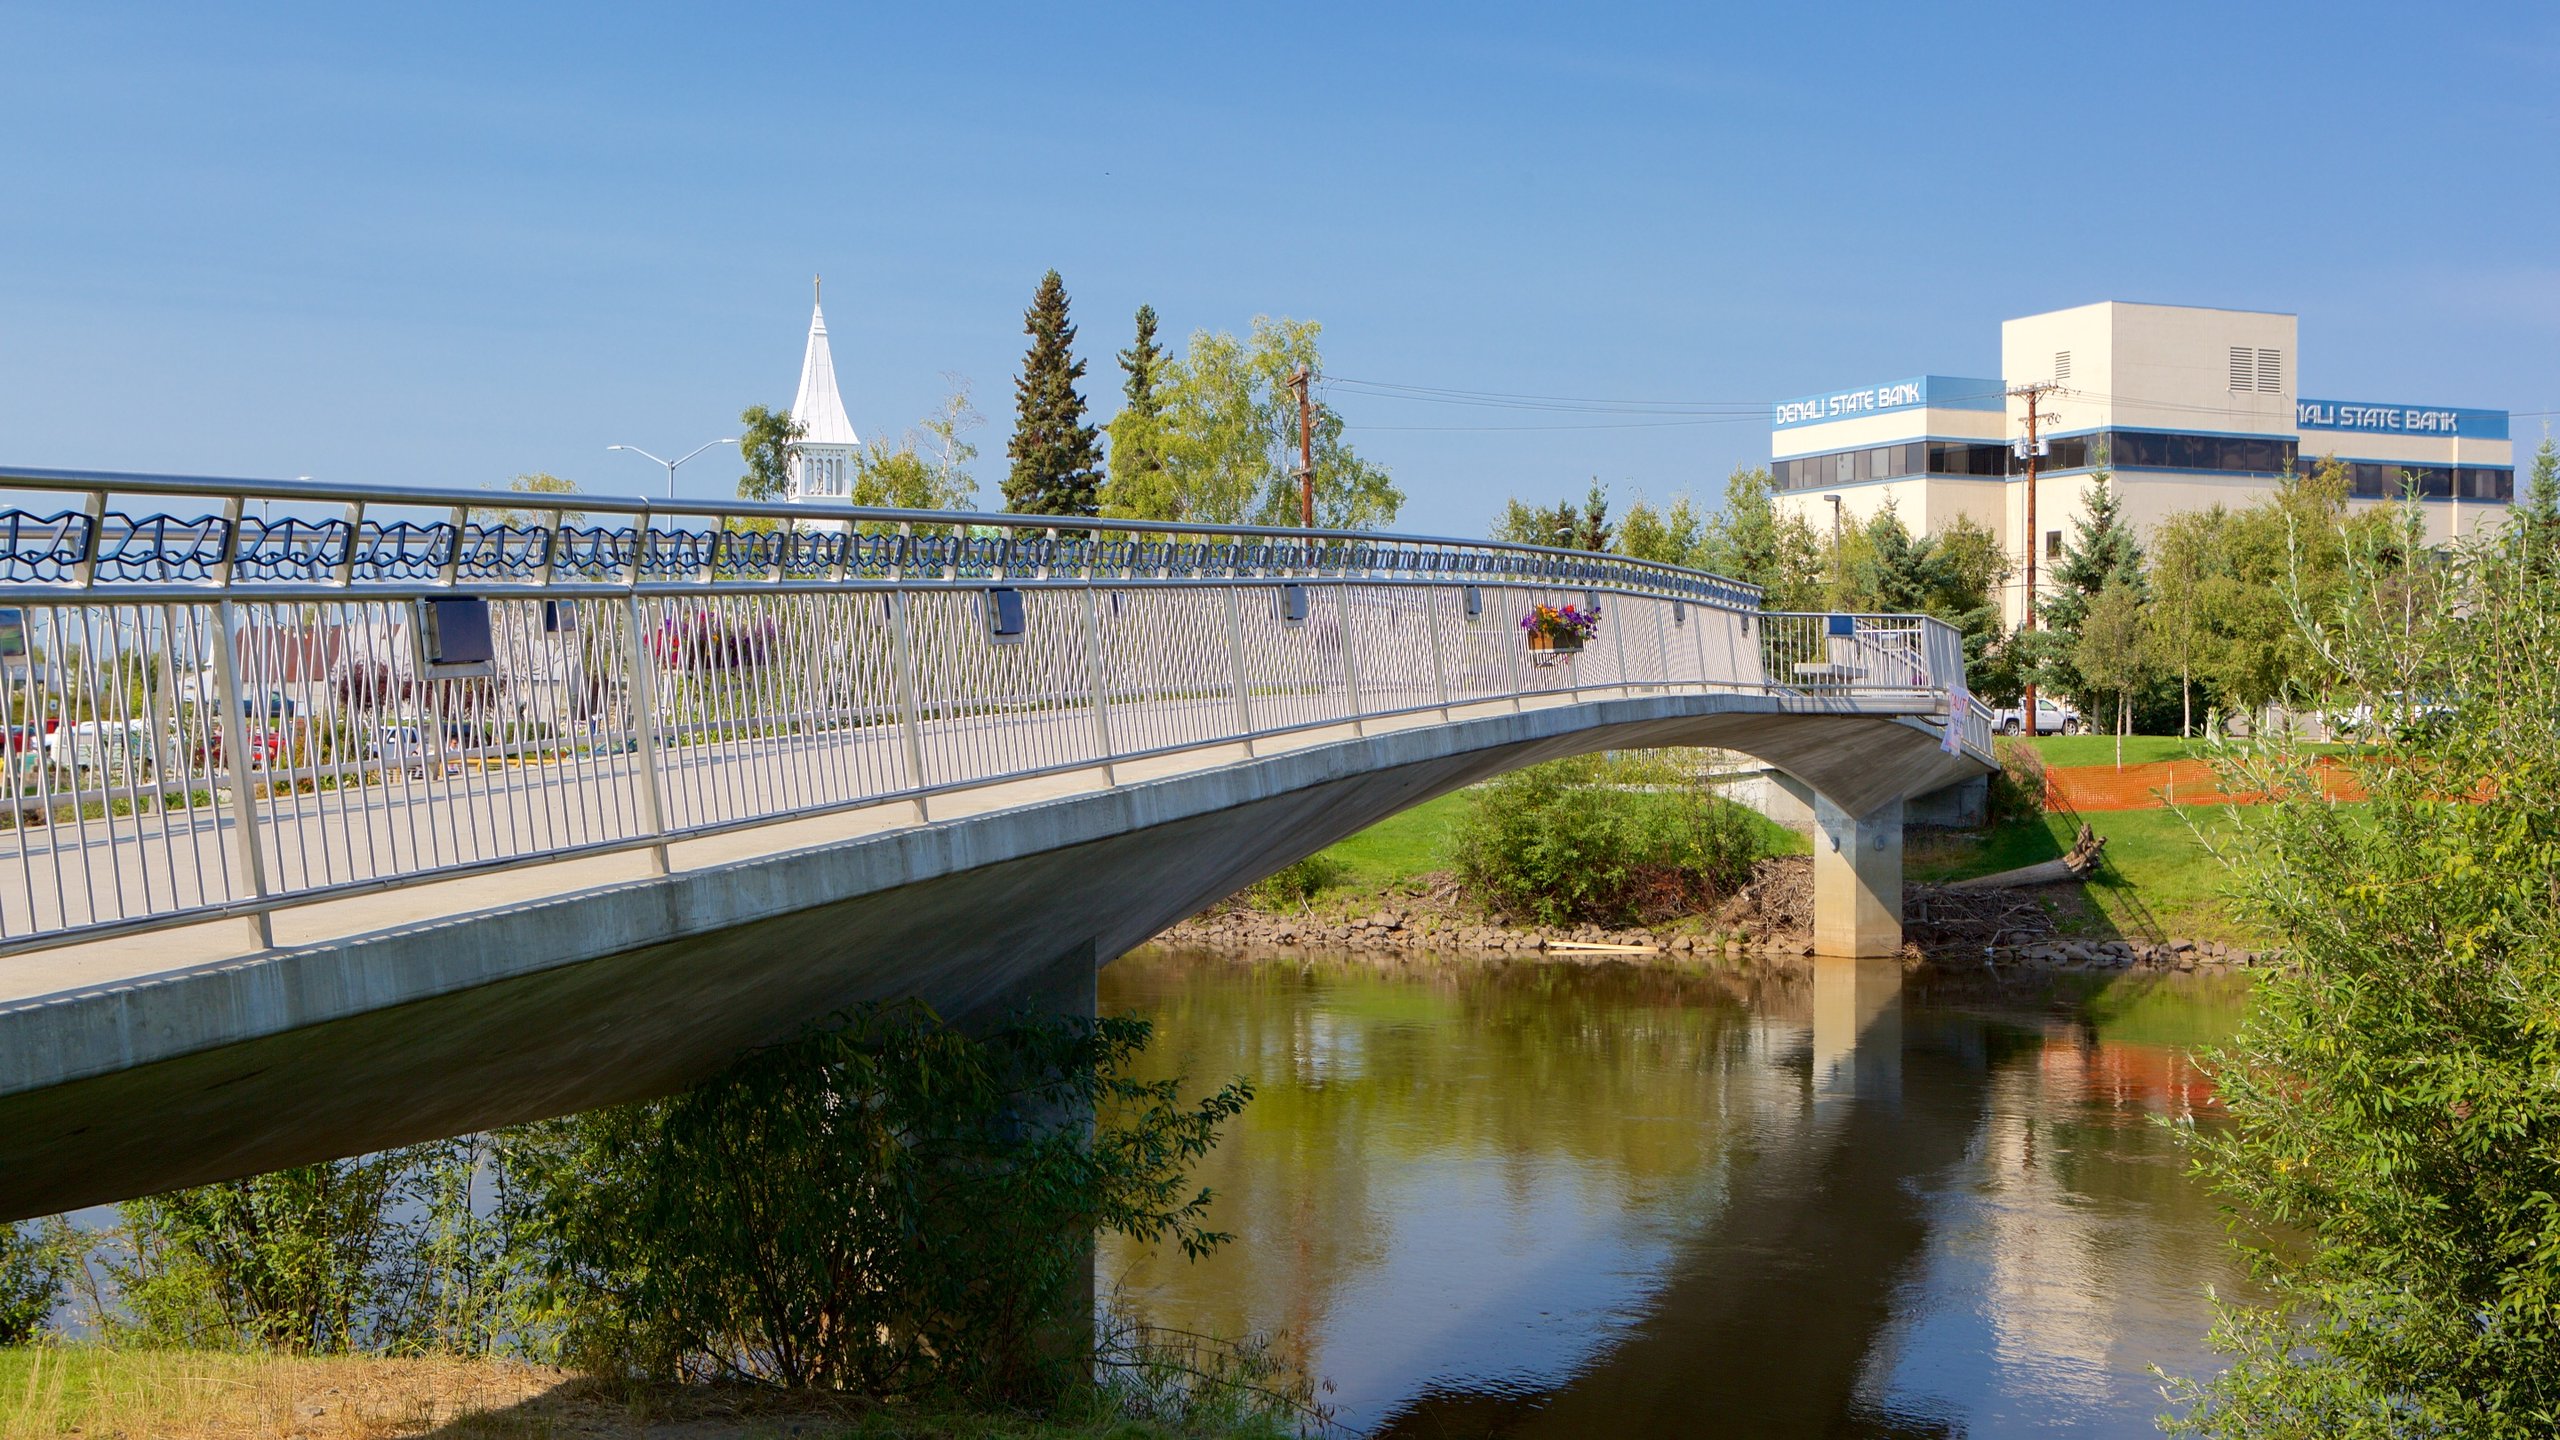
(1835,543)
(1306,449)
(2034,396)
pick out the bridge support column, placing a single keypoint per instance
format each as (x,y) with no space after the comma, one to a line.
(1857,880)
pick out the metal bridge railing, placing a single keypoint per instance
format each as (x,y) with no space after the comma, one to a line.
(228,697)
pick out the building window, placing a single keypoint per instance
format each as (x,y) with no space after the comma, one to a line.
(2373,480)
(2254,455)
(2053,544)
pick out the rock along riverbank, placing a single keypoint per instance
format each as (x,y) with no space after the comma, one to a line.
(1771,917)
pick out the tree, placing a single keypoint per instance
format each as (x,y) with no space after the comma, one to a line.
(326,1258)
(766,443)
(1592,530)
(1953,573)
(2113,655)
(1670,536)
(2102,551)
(34,1260)
(1228,438)
(2195,594)
(2288,556)
(2392,1151)
(928,468)
(1750,541)
(1521,523)
(2540,511)
(1137,457)
(908,1224)
(1566,527)
(1056,456)
(539,483)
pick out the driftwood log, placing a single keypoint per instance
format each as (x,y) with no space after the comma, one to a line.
(2076,865)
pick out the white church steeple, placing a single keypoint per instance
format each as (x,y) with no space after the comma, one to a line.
(822,458)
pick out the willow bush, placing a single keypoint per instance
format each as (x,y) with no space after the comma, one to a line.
(338,1257)
(2393,1156)
(882,1205)
(1603,840)
(34,1263)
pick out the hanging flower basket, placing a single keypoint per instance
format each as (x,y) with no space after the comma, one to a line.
(1559,630)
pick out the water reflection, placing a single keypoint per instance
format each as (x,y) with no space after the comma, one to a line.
(1489,1199)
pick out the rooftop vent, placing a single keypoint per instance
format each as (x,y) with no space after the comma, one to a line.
(2271,371)
(2244,368)
(2061,365)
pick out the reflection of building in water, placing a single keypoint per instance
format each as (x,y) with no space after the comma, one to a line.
(2061,1257)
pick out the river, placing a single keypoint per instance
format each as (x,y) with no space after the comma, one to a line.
(1485,1198)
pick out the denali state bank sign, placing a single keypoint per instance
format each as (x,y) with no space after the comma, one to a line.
(2399,419)
(1934,391)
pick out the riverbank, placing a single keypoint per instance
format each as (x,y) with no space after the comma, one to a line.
(2154,904)
(98,1392)
(1771,918)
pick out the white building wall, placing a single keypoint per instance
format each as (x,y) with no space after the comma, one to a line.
(2127,367)
(1862,431)
(2156,367)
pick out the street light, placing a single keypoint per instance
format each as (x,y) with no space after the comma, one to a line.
(1835,530)
(672,464)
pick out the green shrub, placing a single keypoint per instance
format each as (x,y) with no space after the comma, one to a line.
(2393,1151)
(304,1260)
(34,1262)
(1605,841)
(883,1205)
(1294,885)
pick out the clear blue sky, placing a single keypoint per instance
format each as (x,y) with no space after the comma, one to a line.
(446,244)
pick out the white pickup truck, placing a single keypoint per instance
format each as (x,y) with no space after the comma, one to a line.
(2053,717)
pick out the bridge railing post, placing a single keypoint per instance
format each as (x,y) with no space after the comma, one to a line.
(1432,596)
(652,751)
(910,714)
(1096,673)
(1350,656)
(1235,649)
(249,844)
(1626,688)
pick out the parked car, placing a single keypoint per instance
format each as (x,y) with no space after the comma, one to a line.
(265,747)
(2053,717)
(2403,718)
(411,748)
(120,746)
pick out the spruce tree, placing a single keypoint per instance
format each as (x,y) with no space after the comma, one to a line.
(1137,450)
(2541,508)
(1056,455)
(2102,551)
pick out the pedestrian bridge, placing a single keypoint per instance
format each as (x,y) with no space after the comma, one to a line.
(341,818)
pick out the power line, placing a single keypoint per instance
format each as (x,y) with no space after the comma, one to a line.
(1706,411)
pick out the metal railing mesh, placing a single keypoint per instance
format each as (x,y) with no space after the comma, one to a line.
(214,708)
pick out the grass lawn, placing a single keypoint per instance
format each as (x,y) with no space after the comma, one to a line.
(2139,749)
(2157,876)
(1399,847)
